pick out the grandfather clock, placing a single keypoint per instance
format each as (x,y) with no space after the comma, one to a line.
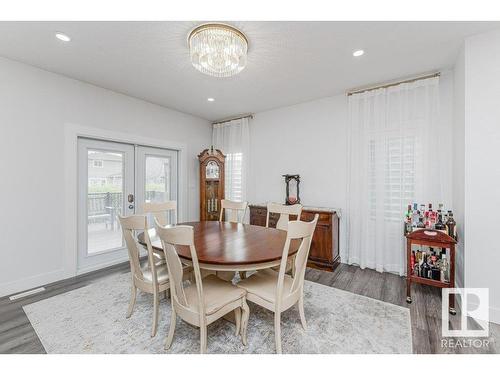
(211,183)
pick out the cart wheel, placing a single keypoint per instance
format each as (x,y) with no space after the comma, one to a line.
(453,311)
(408,299)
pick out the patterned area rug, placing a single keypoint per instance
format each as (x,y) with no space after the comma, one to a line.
(92,320)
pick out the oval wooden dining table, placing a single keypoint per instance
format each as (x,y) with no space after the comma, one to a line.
(223,246)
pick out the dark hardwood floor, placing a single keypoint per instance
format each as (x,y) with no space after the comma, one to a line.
(425,310)
(18,336)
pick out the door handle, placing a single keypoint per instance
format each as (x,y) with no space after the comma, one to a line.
(130,198)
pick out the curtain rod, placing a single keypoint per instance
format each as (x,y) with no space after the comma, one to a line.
(233,118)
(349,93)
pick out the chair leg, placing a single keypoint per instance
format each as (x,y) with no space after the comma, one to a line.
(301,312)
(203,339)
(277,331)
(156,309)
(171,331)
(237,319)
(244,321)
(132,301)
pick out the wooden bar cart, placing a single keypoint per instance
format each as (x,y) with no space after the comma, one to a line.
(431,238)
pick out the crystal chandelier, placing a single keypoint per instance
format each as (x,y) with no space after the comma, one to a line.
(218,50)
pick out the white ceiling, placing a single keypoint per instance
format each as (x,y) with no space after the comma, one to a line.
(288,62)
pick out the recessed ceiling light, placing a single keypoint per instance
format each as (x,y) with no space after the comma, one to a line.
(211,99)
(358,53)
(63,37)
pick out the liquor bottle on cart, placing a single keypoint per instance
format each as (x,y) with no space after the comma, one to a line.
(451,225)
(415,215)
(440,225)
(424,268)
(445,269)
(431,216)
(421,224)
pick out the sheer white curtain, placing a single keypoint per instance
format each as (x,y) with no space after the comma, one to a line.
(233,139)
(398,154)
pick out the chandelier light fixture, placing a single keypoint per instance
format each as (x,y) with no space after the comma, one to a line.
(218,50)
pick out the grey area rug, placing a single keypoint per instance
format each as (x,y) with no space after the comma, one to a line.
(92,320)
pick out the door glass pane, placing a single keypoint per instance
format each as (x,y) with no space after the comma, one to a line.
(157,182)
(104,200)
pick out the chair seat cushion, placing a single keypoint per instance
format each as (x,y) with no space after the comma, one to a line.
(159,259)
(161,273)
(217,293)
(263,284)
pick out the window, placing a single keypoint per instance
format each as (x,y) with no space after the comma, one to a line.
(233,176)
(393,166)
(93,181)
(233,139)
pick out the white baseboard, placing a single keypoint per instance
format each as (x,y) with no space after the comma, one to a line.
(103,265)
(30,282)
(22,285)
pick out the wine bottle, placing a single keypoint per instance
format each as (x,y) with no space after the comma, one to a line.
(440,208)
(416,270)
(451,225)
(433,256)
(440,225)
(420,223)
(422,209)
(444,269)
(424,268)
(415,215)
(431,217)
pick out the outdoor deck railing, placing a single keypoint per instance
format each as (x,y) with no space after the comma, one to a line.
(103,207)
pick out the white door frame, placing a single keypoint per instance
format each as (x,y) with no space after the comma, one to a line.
(69,230)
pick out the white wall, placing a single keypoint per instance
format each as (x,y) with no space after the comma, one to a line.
(311,139)
(36,106)
(482,165)
(458,158)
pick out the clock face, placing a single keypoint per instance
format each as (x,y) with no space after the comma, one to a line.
(212,170)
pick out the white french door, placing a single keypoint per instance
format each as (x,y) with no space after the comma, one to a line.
(115,179)
(156,177)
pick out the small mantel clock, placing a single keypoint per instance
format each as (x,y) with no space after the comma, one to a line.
(211,183)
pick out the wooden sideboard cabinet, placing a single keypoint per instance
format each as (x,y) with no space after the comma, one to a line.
(324,252)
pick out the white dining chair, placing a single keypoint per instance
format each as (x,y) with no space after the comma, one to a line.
(161,211)
(284,212)
(205,301)
(234,211)
(277,291)
(153,278)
